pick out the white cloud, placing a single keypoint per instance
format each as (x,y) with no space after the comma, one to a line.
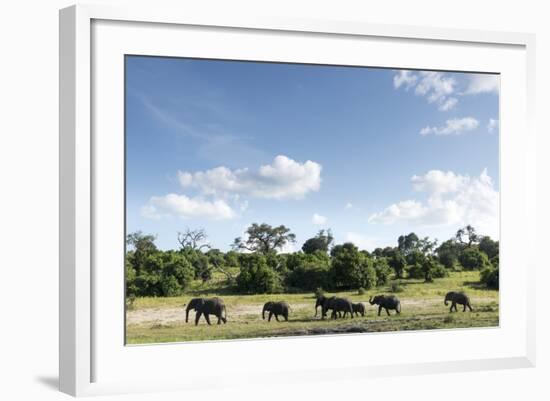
(448,104)
(319,220)
(492,125)
(349,205)
(455,126)
(404,77)
(453,199)
(185,207)
(441,89)
(482,83)
(436,87)
(438,182)
(284,178)
(361,241)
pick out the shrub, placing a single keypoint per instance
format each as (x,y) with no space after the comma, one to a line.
(489,276)
(415,271)
(383,271)
(308,278)
(256,276)
(350,268)
(200,262)
(361,291)
(473,259)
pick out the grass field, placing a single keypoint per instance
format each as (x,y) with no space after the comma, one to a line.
(159,320)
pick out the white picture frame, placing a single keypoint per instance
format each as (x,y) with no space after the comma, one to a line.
(93,358)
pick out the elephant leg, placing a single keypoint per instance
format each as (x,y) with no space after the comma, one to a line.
(464,309)
(334,314)
(470,307)
(269,317)
(207,317)
(197,317)
(220,318)
(387,311)
(276,317)
(379,310)
(286,317)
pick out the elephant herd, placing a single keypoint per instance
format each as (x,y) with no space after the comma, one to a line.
(339,307)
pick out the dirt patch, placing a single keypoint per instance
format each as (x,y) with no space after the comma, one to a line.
(169,316)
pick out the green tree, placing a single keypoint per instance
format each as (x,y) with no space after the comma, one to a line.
(467,236)
(177,273)
(490,247)
(141,245)
(397,262)
(408,243)
(489,277)
(473,259)
(311,273)
(321,242)
(256,276)
(200,262)
(448,253)
(351,268)
(383,271)
(264,238)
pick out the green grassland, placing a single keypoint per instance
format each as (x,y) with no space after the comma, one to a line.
(160,320)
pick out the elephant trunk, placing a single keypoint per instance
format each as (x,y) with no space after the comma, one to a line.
(446,301)
(370,301)
(189,307)
(263,312)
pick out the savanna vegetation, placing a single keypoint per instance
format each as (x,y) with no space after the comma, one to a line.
(417,270)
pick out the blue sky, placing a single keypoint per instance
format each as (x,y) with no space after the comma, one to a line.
(370,153)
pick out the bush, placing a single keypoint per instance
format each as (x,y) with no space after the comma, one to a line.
(361,291)
(473,259)
(201,265)
(439,271)
(256,276)
(415,271)
(383,271)
(489,276)
(350,268)
(308,277)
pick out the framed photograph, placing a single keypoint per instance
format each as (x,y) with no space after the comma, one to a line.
(304,199)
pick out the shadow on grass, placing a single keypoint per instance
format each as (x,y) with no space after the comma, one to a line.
(477,285)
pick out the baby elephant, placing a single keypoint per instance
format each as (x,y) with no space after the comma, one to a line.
(387,302)
(358,309)
(458,298)
(276,308)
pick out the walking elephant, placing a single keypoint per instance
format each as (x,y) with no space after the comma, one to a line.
(458,298)
(335,304)
(207,306)
(358,309)
(276,308)
(387,302)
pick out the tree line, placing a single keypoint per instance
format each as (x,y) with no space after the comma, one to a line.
(255,264)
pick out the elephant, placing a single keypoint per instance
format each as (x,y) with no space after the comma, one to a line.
(387,302)
(335,304)
(458,298)
(276,308)
(358,309)
(207,306)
